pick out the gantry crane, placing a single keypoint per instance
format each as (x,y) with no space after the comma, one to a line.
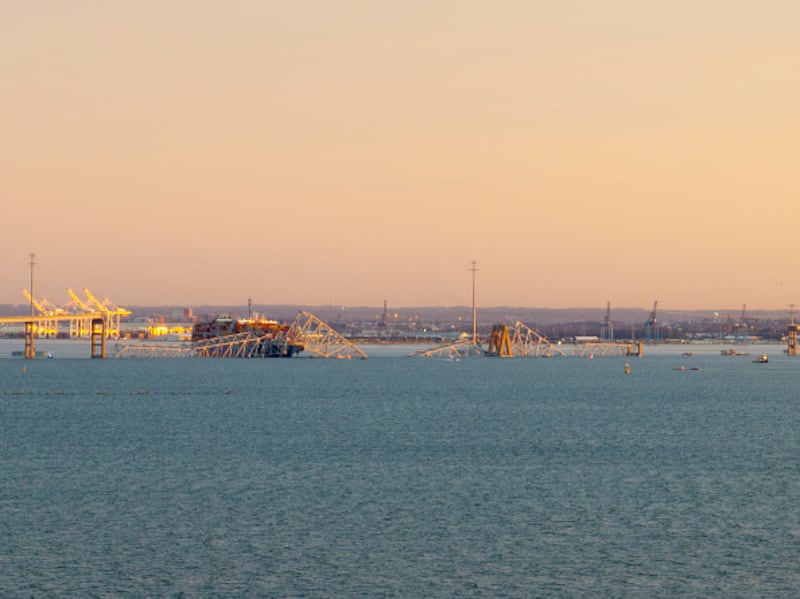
(80,326)
(607,327)
(46,325)
(111,313)
(44,307)
(45,317)
(79,302)
(651,331)
(741,326)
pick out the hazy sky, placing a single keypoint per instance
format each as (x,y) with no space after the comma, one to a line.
(347,152)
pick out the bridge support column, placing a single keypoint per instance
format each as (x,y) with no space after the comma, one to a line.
(500,342)
(791,339)
(30,345)
(98,338)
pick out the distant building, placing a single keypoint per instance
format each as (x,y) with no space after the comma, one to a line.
(181,315)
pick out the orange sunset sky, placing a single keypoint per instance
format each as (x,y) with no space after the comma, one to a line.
(347,152)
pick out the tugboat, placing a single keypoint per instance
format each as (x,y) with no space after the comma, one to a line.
(762,359)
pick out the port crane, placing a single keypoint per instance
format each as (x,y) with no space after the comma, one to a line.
(111,313)
(45,317)
(47,323)
(44,307)
(78,302)
(607,327)
(741,326)
(80,326)
(77,313)
(651,327)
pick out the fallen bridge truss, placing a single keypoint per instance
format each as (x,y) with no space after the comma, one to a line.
(318,338)
(307,333)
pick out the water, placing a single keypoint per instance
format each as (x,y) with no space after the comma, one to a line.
(399,477)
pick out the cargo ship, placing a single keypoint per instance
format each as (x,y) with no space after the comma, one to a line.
(265,338)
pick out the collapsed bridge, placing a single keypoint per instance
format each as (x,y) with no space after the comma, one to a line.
(225,338)
(520,340)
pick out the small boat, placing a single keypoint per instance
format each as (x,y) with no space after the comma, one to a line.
(762,359)
(733,352)
(687,354)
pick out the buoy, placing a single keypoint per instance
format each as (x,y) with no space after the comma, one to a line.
(627,368)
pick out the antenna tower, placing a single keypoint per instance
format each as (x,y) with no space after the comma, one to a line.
(474,269)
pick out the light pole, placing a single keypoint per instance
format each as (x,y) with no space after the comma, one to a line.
(474,269)
(33,263)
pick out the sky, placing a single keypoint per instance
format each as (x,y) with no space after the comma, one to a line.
(351,152)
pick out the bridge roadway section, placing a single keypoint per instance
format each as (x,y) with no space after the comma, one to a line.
(53,318)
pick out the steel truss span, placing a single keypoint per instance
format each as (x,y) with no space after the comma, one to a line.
(459,349)
(320,339)
(307,333)
(522,341)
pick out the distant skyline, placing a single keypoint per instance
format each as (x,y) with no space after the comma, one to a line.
(343,153)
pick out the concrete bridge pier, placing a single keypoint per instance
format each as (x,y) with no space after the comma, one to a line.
(30,345)
(98,338)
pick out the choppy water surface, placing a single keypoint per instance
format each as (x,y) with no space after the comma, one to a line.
(400,477)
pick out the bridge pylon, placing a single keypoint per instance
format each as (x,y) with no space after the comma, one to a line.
(500,342)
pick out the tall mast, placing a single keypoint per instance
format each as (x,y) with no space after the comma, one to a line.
(33,292)
(474,269)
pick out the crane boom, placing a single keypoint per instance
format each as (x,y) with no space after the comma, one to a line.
(44,307)
(78,301)
(106,305)
(31,299)
(93,300)
(651,320)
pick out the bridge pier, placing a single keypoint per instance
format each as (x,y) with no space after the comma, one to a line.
(30,345)
(791,339)
(500,342)
(98,338)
